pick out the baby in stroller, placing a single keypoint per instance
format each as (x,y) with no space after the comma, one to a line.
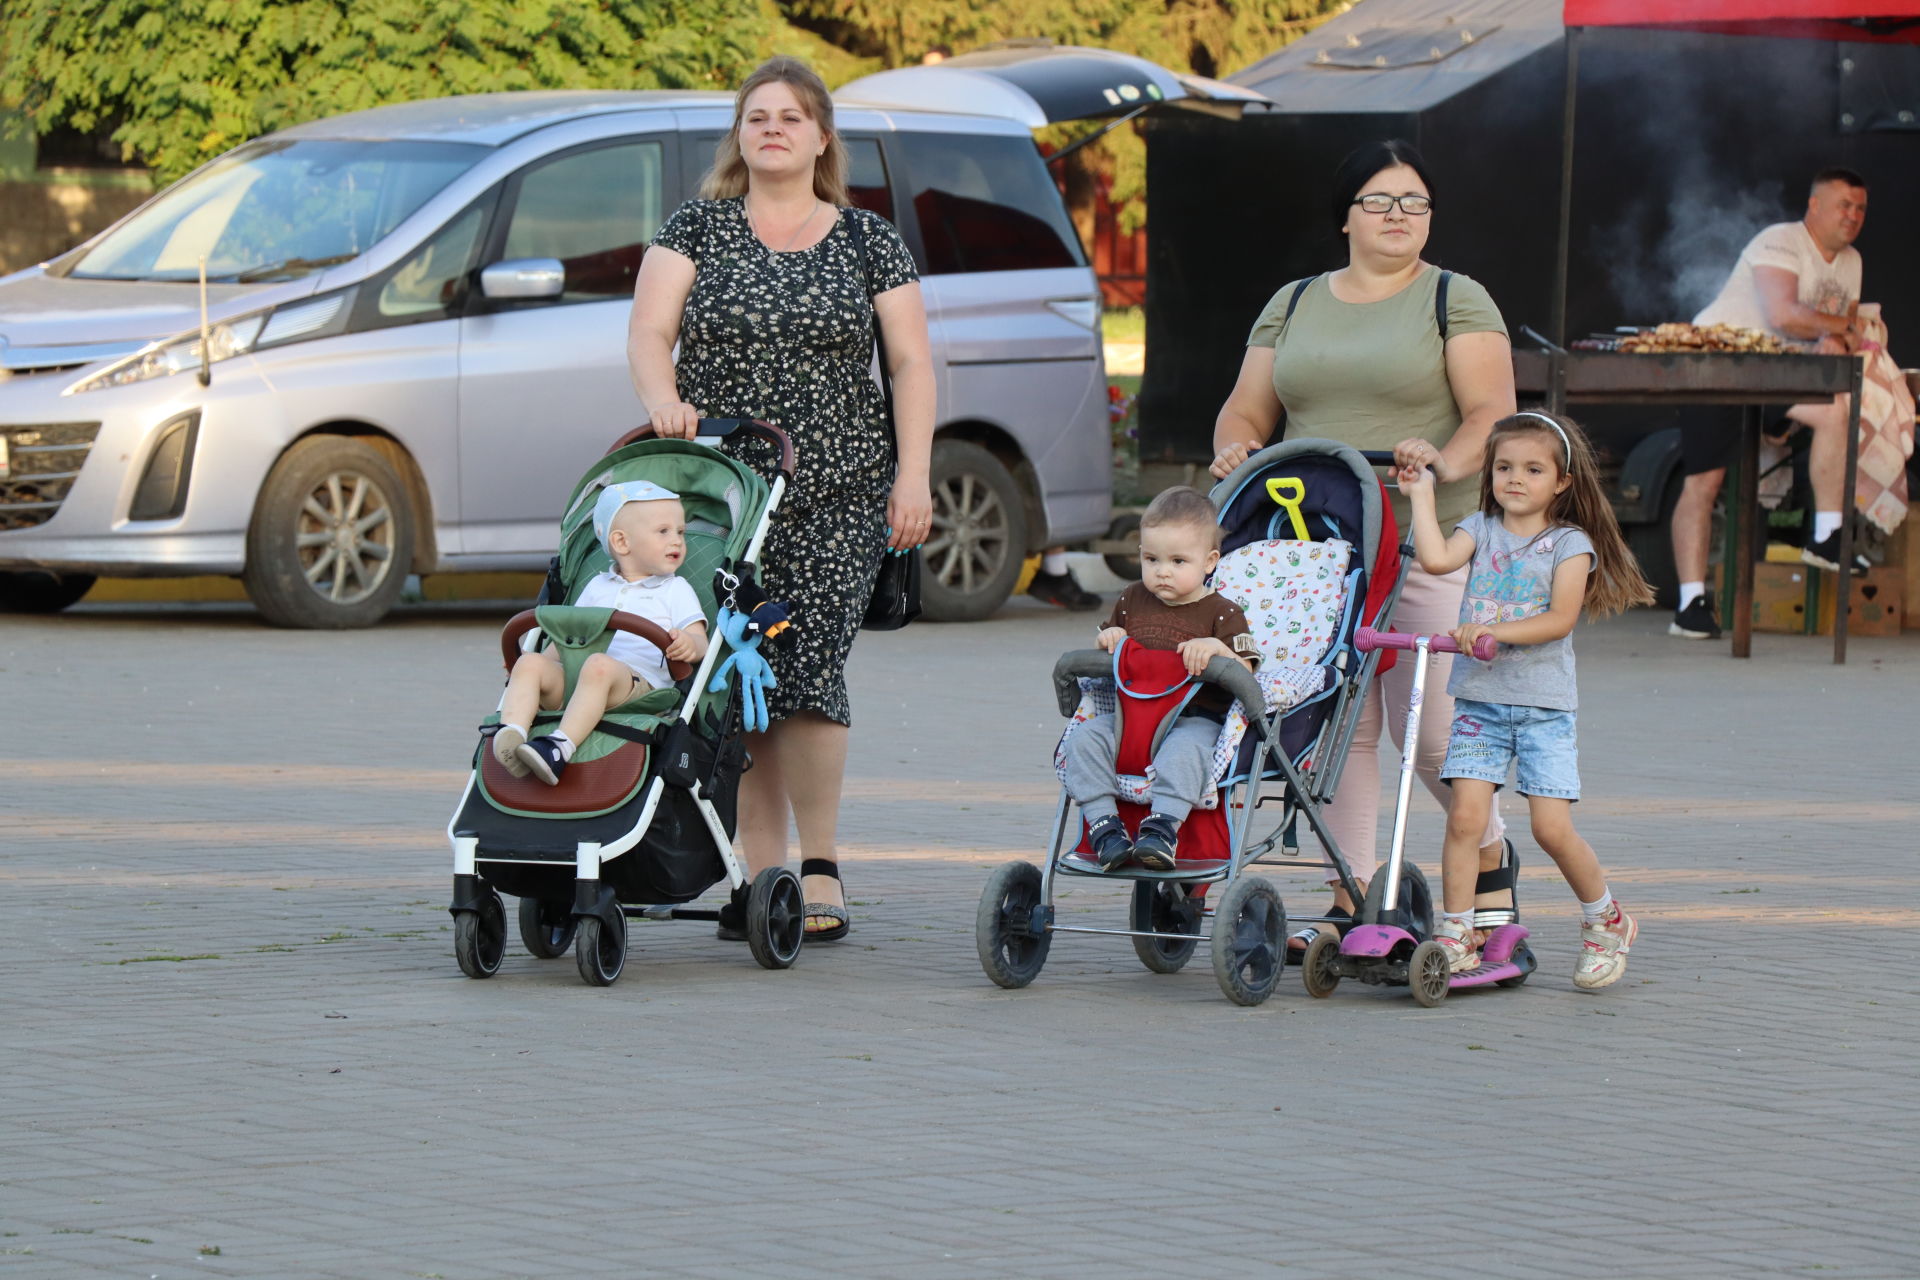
(1173,607)
(644,530)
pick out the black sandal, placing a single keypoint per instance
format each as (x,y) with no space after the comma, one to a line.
(733,918)
(843,923)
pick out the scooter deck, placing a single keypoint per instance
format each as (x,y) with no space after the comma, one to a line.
(1502,958)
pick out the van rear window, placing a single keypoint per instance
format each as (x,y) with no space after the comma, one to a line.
(986,203)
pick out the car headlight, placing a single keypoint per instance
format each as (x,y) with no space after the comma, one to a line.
(295,322)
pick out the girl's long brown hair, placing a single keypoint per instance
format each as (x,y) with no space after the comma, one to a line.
(728,176)
(1617,583)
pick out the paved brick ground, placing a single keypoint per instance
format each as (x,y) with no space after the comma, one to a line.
(232,1019)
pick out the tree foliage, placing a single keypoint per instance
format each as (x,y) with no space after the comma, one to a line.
(180,81)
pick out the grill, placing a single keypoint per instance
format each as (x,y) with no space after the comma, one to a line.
(1751,380)
(45,460)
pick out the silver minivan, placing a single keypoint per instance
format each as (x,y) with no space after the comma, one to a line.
(411,342)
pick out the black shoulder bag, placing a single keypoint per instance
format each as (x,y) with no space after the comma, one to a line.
(896,589)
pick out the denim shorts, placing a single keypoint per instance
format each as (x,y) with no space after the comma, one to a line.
(1490,738)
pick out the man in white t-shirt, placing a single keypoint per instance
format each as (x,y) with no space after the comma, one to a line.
(1797,280)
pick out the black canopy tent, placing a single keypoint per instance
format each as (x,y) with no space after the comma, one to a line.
(1688,142)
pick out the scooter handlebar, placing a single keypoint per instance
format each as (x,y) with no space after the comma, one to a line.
(1366,639)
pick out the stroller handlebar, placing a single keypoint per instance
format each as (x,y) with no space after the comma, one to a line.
(1366,639)
(652,632)
(721,428)
(1227,673)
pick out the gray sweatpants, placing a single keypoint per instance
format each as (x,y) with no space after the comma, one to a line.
(1181,767)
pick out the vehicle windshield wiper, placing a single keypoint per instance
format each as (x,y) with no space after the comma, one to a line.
(261,272)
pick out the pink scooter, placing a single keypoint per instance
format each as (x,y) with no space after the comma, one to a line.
(1393,944)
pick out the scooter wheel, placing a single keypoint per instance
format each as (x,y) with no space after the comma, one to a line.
(1317,966)
(1522,956)
(1429,974)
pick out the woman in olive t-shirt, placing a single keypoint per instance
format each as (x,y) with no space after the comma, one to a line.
(1361,360)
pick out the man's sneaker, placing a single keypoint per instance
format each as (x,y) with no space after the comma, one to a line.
(543,759)
(1456,940)
(1603,951)
(506,748)
(1108,840)
(1064,590)
(1826,555)
(1154,843)
(1696,621)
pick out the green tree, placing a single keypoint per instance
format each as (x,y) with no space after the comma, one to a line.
(180,81)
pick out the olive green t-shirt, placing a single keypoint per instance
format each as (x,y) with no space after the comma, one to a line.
(1371,374)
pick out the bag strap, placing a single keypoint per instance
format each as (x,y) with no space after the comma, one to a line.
(1294,301)
(1440,305)
(859,232)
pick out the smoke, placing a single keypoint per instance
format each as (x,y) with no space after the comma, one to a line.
(1697,234)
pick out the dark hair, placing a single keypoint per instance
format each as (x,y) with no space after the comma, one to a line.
(1616,583)
(1837,174)
(1362,163)
(1182,505)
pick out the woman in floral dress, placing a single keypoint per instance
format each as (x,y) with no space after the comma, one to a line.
(764,285)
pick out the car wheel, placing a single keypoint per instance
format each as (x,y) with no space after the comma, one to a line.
(32,592)
(332,537)
(979,537)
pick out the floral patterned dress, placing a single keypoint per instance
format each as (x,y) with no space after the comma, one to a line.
(788,337)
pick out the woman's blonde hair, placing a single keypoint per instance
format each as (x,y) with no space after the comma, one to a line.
(1617,583)
(728,176)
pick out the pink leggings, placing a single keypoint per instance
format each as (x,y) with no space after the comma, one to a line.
(1430,605)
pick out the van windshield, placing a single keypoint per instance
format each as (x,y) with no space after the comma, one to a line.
(277,210)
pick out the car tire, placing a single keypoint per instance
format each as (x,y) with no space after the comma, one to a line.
(33,592)
(979,540)
(331,542)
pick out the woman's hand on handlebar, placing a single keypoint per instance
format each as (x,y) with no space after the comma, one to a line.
(1415,453)
(1231,456)
(676,421)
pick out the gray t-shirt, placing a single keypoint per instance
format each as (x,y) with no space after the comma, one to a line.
(1511,578)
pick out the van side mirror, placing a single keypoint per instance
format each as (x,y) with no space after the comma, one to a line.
(524,278)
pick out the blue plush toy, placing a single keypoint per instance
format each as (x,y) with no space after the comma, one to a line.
(756,677)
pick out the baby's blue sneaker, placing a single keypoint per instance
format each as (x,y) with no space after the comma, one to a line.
(543,759)
(1107,837)
(1155,842)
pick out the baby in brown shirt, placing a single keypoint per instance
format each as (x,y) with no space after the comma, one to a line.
(1171,607)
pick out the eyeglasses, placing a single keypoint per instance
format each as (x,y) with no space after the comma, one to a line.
(1380,202)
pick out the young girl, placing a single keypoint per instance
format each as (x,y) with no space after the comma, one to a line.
(1543,543)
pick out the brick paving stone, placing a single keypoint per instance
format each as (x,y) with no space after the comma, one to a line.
(233,1016)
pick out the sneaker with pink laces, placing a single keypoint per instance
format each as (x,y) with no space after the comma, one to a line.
(1603,951)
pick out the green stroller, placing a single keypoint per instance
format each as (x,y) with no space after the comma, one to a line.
(643,820)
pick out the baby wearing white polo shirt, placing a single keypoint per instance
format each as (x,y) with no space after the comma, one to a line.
(644,529)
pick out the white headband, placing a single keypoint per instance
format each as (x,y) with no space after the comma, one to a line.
(1557,430)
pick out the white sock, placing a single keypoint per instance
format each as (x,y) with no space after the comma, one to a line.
(1825,525)
(1464,919)
(1691,591)
(565,744)
(1054,562)
(1596,912)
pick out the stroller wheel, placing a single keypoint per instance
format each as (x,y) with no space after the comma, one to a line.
(1010,952)
(546,928)
(600,951)
(1163,907)
(776,918)
(1249,940)
(480,937)
(1429,974)
(1318,966)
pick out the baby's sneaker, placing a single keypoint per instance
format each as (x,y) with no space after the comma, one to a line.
(1456,939)
(1107,838)
(1154,843)
(1603,950)
(506,748)
(544,759)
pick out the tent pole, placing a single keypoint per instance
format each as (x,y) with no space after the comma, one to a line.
(1562,247)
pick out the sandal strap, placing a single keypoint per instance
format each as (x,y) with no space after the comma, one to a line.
(820,867)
